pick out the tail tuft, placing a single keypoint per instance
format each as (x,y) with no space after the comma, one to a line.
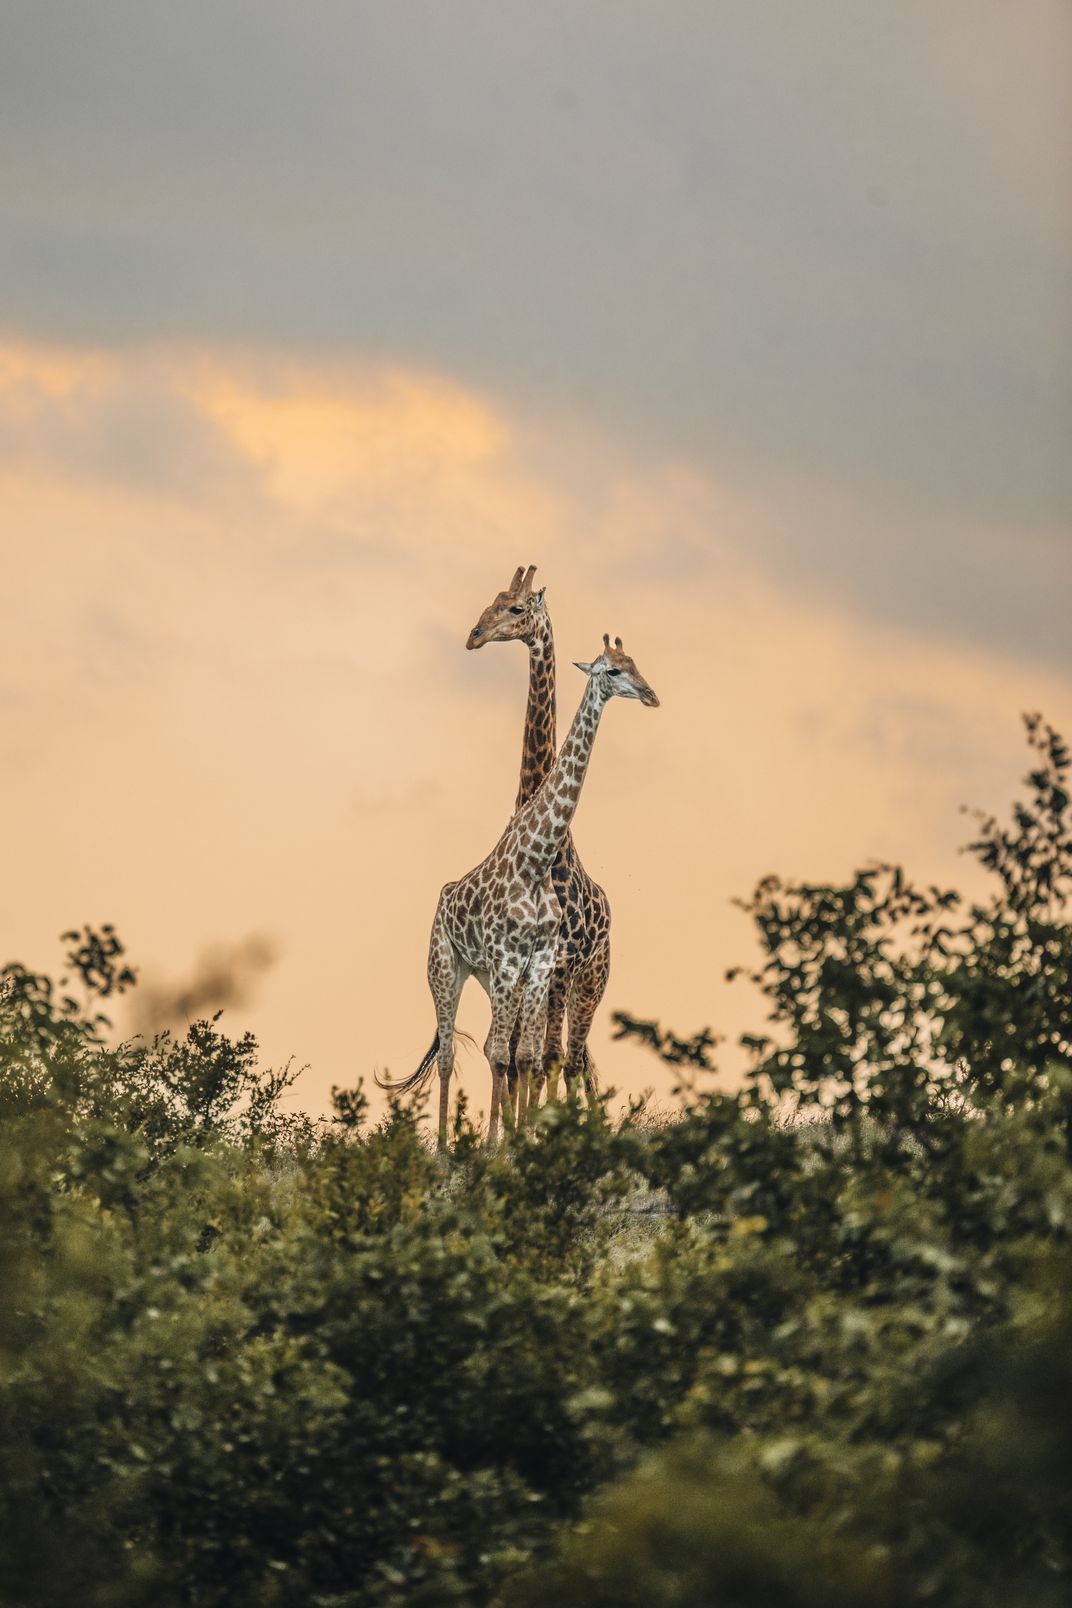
(415,1079)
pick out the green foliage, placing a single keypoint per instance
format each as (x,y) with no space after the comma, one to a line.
(796,1516)
(891,997)
(246,1359)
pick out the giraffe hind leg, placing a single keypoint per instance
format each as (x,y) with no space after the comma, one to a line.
(513,1087)
(532,1025)
(446,978)
(505,992)
(587,986)
(556,1014)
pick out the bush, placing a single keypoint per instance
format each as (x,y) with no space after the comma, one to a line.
(253,1360)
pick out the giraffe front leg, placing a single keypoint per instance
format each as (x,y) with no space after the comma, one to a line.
(556,1013)
(496,1100)
(505,989)
(510,1088)
(533,1022)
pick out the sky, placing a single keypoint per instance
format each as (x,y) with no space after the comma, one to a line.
(750,326)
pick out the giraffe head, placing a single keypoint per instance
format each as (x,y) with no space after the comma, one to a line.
(512,615)
(618,675)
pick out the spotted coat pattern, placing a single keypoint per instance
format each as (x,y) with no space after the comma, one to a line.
(582,960)
(502,922)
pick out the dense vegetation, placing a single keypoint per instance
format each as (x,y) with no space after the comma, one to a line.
(810,1343)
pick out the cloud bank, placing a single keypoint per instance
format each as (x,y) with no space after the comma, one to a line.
(815,252)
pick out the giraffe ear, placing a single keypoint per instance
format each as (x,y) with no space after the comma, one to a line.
(587,668)
(536,598)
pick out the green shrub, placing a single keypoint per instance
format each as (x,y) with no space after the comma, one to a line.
(248,1359)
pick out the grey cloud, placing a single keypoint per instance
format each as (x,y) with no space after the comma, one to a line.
(786,241)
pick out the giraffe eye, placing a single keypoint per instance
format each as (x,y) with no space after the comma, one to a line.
(516,610)
(614,672)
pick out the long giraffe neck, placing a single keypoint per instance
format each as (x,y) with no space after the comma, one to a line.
(537,832)
(538,749)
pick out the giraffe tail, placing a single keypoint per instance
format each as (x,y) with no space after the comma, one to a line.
(417,1080)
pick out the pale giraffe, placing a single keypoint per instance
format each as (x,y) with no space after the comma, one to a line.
(500,923)
(582,963)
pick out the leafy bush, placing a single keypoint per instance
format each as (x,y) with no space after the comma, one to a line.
(248,1359)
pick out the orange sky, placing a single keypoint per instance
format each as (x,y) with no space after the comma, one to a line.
(237,698)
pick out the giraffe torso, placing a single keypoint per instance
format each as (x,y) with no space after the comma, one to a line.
(584,924)
(496,920)
(531,894)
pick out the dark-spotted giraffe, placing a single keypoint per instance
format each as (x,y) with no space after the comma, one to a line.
(582,962)
(501,922)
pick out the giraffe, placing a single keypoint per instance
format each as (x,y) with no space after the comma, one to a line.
(582,963)
(500,923)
